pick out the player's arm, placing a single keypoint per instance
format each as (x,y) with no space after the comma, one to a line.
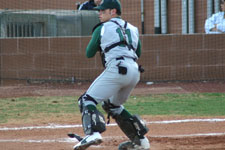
(138,51)
(83,6)
(94,44)
(221,27)
(210,24)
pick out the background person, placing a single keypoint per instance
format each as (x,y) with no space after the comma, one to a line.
(216,23)
(119,43)
(89,5)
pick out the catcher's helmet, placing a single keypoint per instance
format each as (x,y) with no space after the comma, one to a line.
(110,4)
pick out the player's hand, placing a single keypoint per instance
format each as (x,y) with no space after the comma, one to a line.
(215,28)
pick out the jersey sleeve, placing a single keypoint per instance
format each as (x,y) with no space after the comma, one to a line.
(84,6)
(221,26)
(94,44)
(138,51)
(209,24)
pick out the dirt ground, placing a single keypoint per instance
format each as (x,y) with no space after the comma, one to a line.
(166,132)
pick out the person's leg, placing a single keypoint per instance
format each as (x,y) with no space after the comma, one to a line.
(132,126)
(93,122)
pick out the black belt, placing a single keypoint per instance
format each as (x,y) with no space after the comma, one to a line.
(122,58)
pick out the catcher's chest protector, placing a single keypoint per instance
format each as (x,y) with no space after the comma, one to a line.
(112,33)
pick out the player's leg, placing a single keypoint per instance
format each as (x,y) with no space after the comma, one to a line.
(93,122)
(132,125)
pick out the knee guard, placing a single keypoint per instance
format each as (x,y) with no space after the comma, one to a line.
(111,109)
(92,121)
(85,97)
(133,127)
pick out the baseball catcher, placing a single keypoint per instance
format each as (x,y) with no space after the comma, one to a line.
(119,44)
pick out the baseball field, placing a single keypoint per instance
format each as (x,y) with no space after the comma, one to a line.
(180,116)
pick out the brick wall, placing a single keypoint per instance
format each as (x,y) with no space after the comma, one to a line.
(38,4)
(164,57)
(183,57)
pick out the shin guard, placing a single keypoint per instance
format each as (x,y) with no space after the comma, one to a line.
(134,127)
(92,121)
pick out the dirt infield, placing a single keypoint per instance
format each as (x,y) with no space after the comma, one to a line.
(166,132)
(193,134)
(79,88)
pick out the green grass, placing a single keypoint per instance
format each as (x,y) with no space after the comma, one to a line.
(197,104)
(204,104)
(34,107)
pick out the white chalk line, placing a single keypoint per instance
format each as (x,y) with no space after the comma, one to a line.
(73,140)
(65,140)
(190,135)
(55,126)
